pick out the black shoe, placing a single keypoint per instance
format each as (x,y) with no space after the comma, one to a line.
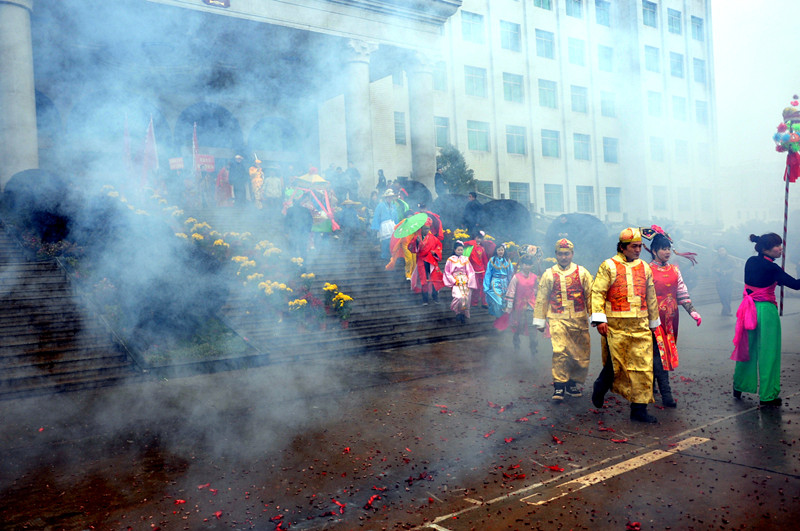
(639,414)
(668,401)
(572,389)
(737,394)
(558,393)
(772,403)
(598,395)
(485,306)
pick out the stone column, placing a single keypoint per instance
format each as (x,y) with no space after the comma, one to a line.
(420,105)
(19,149)
(358,116)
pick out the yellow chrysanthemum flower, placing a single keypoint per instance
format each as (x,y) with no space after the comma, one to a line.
(181,235)
(189,221)
(197,237)
(113,194)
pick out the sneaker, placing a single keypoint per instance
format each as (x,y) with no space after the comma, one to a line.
(737,394)
(772,403)
(640,414)
(572,389)
(424,303)
(558,393)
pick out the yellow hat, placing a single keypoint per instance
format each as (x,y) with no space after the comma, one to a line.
(630,234)
(564,243)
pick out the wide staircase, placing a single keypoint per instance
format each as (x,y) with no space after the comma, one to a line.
(48,341)
(386,313)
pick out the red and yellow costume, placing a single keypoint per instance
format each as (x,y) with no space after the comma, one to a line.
(670,292)
(563,299)
(624,296)
(428,251)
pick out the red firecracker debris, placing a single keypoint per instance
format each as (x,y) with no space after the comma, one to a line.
(218,514)
(441,406)
(341,506)
(508,439)
(507,406)
(633,526)
(556,468)
(213,491)
(430,500)
(488,434)
(41,429)
(619,440)
(557,440)
(201,487)
(523,419)
(346,450)
(371,500)
(379,489)
(180,502)
(606,429)
(685,379)
(493,405)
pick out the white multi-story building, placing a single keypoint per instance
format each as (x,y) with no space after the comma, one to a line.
(595,106)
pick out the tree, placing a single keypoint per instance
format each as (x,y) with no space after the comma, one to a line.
(459,177)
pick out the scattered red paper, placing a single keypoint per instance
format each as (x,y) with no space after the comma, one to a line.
(41,429)
(276,518)
(180,502)
(441,406)
(685,379)
(557,440)
(556,468)
(508,439)
(513,467)
(371,500)
(218,514)
(408,450)
(619,440)
(523,419)
(493,405)
(430,500)
(513,476)
(489,434)
(341,506)
(213,491)
(379,489)
(201,487)
(507,406)
(606,429)
(346,450)
(633,526)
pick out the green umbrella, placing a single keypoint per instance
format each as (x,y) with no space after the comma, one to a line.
(410,225)
(468,251)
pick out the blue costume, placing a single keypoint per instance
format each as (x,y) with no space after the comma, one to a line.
(499,272)
(383,221)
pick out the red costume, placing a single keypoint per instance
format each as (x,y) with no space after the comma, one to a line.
(521,296)
(478,258)
(670,292)
(428,251)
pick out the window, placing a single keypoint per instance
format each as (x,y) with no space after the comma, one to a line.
(698,32)
(551,146)
(652,59)
(656,149)
(519,192)
(548,97)
(685,195)
(660,198)
(699,70)
(701,112)
(613,199)
(544,4)
(510,36)
(676,64)
(602,12)
(574,8)
(679,108)
(580,98)
(649,13)
(512,88)
(515,139)
(610,150)
(478,135)
(545,44)
(475,81)
(399,128)
(583,149)
(553,198)
(441,127)
(674,22)
(577,51)
(485,188)
(472,27)
(653,103)
(605,58)
(440,76)
(608,104)
(585,198)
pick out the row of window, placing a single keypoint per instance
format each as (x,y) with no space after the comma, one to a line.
(679,108)
(674,20)
(472,24)
(652,63)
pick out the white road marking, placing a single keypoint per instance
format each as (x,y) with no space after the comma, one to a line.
(602,475)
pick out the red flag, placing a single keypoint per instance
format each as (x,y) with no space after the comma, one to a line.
(792,166)
(150,155)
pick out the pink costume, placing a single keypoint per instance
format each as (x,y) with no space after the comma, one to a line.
(521,296)
(747,319)
(459,275)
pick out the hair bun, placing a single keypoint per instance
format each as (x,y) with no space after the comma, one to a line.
(754,238)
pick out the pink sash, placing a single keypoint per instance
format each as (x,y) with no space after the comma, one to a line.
(747,318)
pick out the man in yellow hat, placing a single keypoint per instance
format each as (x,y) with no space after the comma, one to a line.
(563,297)
(625,310)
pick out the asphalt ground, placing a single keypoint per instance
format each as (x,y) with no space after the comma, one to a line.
(449,436)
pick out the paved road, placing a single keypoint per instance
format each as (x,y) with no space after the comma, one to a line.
(452,436)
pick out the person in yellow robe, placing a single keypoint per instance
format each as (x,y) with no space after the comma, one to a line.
(625,311)
(563,298)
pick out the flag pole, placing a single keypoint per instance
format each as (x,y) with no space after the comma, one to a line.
(785,227)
